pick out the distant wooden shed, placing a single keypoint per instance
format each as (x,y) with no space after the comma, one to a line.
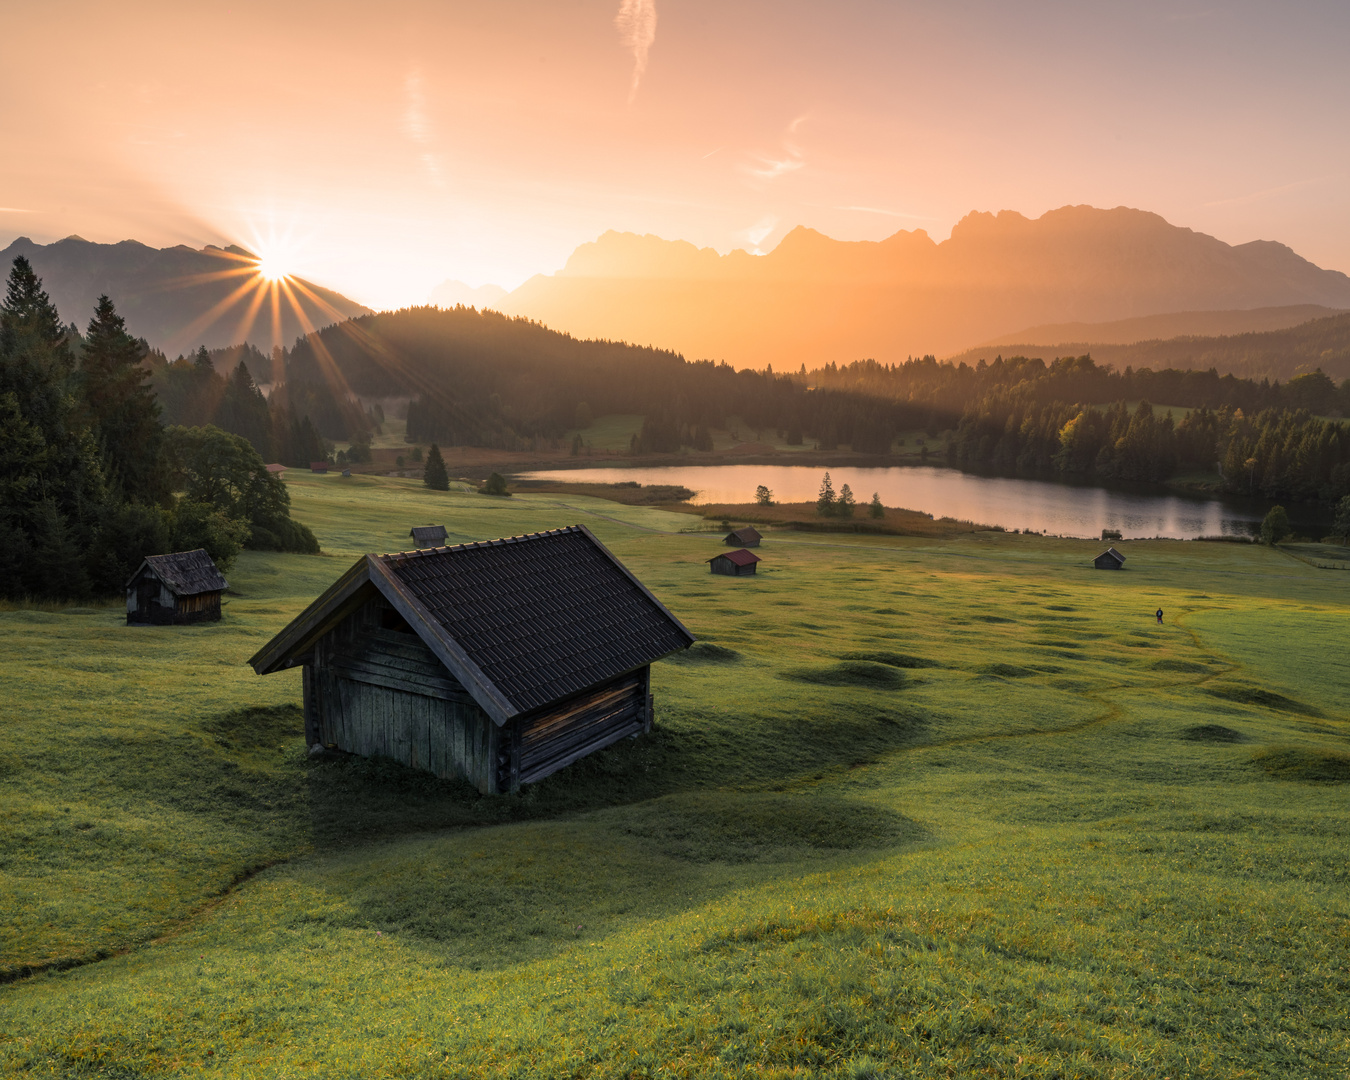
(318,466)
(1110,559)
(428,536)
(734,563)
(747,536)
(277,469)
(184,587)
(499,662)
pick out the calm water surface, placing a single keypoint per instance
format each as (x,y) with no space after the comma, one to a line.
(1038,505)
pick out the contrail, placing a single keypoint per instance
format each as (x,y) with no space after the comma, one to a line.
(636,23)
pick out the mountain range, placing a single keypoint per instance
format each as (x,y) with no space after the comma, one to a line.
(179,298)
(813,299)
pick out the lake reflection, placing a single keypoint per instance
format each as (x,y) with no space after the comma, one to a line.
(1038,505)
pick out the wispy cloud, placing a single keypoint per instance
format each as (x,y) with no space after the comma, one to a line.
(15,210)
(636,23)
(768,167)
(417,124)
(1256,196)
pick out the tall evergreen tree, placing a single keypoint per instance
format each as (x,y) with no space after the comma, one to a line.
(121,410)
(826,501)
(875,508)
(846,502)
(243,411)
(433,473)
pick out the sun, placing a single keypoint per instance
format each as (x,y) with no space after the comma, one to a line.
(272,268)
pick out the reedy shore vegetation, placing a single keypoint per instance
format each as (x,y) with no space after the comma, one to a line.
(913,807)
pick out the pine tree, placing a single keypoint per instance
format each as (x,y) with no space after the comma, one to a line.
(875,508)
(121,410)
(846,502)
(243,411)
(1341,526)
(433,473)
(826,502)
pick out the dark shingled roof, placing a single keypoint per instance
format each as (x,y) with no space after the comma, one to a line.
(543,615)
(428,535)
(743,535)
(740,558)
(187,573)
(1114,554)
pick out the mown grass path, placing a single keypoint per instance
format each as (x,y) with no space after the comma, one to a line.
(912,808)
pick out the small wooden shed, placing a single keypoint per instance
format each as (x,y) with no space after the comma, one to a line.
(499,662)
(318,466)
(428,536)
(1110,559)
(184,587)
(734,563)
(747,536)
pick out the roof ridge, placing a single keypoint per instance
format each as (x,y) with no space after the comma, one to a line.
(474,544)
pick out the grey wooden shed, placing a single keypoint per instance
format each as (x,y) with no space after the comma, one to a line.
(499,662)
(427,536)
(1110,559)
(175,589)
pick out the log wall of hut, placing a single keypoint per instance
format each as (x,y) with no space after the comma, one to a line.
(373,687)
(533,747)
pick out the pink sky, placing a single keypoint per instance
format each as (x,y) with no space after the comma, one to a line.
(381,149)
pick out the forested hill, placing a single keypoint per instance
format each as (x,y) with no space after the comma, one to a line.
(1273,354)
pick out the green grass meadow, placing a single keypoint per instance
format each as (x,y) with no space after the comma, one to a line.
(912,808)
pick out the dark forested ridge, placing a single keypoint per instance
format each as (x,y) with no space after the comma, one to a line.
(1322,343)
(484,379)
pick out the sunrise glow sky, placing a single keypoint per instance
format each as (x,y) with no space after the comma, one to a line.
(383,148)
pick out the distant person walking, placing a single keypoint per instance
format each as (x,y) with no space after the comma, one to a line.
(1159,616)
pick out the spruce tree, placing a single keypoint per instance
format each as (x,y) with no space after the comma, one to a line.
(875,508)
(826,503)
(1341,526)
(846,502)
(433,473)
(121,410)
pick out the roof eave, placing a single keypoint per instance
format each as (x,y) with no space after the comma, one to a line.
(312,623)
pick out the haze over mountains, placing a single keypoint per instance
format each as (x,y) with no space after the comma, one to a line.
(814,300)
(178,298)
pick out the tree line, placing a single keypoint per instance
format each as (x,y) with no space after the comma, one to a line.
(91,480)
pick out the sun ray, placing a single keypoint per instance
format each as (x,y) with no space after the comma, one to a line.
(209,317)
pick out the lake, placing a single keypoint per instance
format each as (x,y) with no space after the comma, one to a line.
(1038,505)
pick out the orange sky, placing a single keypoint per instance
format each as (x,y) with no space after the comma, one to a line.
(386,148)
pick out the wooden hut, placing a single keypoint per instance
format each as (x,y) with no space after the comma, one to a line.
(318,466)
(734,563)
(184,587)
(499,662)
(748,536)
(428,536)
(1110,559)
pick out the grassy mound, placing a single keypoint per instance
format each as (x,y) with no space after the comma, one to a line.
(1254,695)
(861,673)
(1182,666)
(891,659)
(719,826)
(705,652)
(1214,733)
(1316,765)
(1007,671)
